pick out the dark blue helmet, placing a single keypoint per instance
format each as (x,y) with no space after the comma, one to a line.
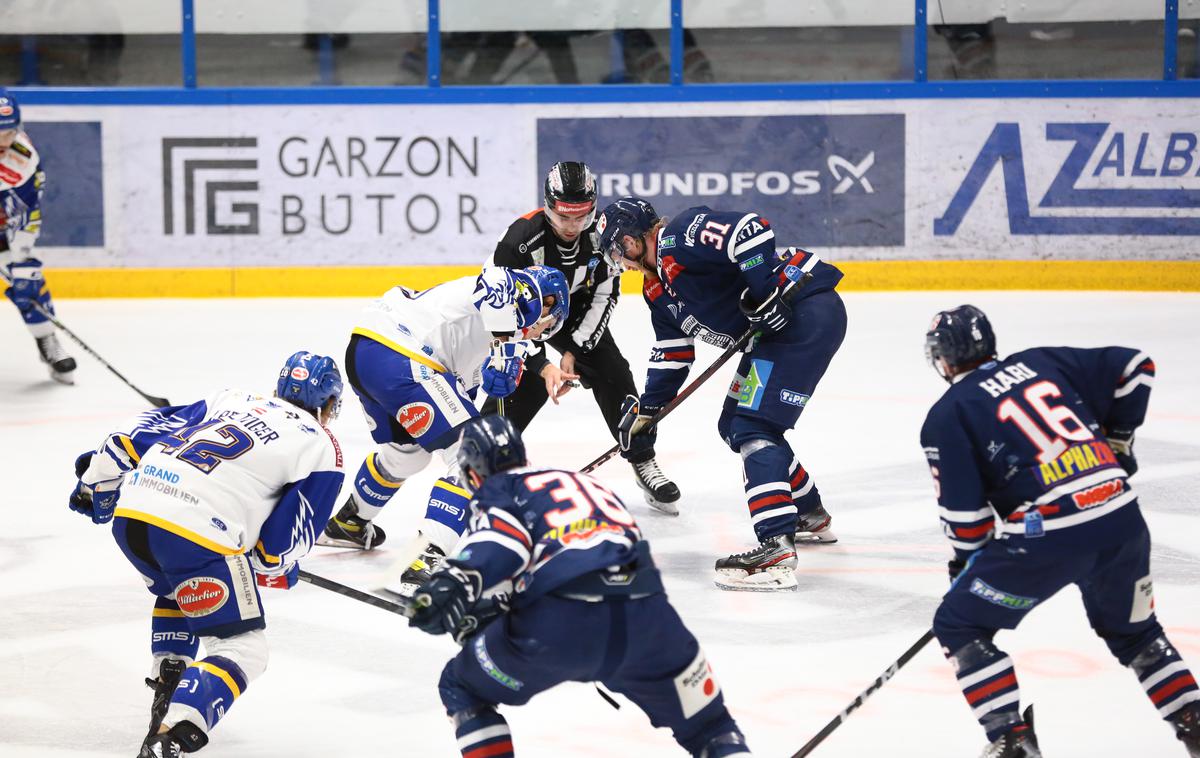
(309,381)
(534,284)
(489,445)
(959,339)
(10,112)
(630,216)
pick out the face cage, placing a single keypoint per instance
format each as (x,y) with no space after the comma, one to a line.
(555,323)
(934,356)
(568,223)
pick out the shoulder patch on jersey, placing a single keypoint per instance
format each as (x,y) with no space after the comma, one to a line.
(667,242)
(670,267)
(652,288)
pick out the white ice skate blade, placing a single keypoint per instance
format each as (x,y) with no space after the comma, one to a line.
(670,509)
(326,541)
(826,537)
(67,378)
(770,580)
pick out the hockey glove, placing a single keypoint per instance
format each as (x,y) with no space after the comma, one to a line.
(96,501)
(771,316)
(442,603)
(635,429)
(503,368)
(954,567)
(284,581)
(1121,442)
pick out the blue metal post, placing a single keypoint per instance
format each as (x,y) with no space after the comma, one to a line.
(676,41)
(325,66)
(1170,39)
(189,44)
(29,62)
(921,43)
(433,47)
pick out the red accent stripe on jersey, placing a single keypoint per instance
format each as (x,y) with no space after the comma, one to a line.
(974,531)
(1184,679)
(992,688)
(532,213)
(798,476)
(1045,510)
(503,526)
(766,501)
(491,751)
(680,355)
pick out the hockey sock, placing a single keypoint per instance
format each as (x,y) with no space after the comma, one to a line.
(446,513)
(206,692)
(483,733)
(1165,677)
(373,488)
(804,489)
(768,488)
(169,632)
(989,683)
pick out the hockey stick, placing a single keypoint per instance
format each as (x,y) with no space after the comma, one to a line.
(402,609)
(879,682)
(157,402)
(687,391)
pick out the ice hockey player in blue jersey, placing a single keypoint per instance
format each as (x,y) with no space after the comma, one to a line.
(417,360)
(22,183)
(587,605)
(1031,458)
(709,276)
(209,501)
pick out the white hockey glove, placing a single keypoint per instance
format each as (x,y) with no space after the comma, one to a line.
(97,500)
(503,368)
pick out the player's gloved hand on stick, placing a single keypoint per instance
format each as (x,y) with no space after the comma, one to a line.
(1121,442)
(282,581)
(635,418)
(955,567)
(503,368)
(97,501)
(772,315)
(445,600)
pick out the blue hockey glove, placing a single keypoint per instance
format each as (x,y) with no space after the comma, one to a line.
(503,368)
(1121,442)
(772,315)
(97,501)
(443,602)
(635,428)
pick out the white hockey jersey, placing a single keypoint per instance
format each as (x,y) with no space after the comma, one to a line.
(21,187)
(231,472)
(447,327)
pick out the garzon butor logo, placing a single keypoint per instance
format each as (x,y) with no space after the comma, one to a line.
(1114,156)
(228,154)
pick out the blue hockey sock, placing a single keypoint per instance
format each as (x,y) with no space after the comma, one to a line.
(804,489)
(1165,677)
(446,512)
(989,683)
(208,689)
(373,488)
(768,488)
(169,632)
(483,733)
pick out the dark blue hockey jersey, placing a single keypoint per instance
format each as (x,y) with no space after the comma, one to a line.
(544,528)
(1017,447)
(705,259)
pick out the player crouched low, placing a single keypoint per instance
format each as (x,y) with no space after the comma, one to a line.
(1042,441)
(211,495)
(592,605)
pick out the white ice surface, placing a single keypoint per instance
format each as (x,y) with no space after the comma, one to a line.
(349,679)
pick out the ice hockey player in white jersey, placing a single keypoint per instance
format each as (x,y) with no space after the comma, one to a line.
(209,501)
(416,360)
(22,183)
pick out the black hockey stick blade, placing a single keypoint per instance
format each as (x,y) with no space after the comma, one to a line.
(881,680)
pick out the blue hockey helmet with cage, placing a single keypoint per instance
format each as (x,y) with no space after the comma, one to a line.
(10,112)
(959,339)
(488,445)
(534,284)
(310,381)
(630,216)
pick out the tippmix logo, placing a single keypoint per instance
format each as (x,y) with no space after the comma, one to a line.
(200,172)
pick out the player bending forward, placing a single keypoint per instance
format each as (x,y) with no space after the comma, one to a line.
(417,361)
(211,495)
(587,601)
(711,275)
(22,183)
(1042,441)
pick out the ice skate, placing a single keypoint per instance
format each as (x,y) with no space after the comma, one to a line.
(661,493)
(347,529)
(184,737)
(61,365)
(1019,742)
(169,673)
(770,567)
(812,528)
(1186,721)
(419,571)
